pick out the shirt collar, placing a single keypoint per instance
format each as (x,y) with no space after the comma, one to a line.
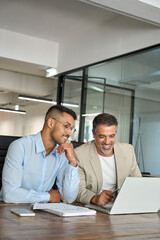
(39,143)
(40,146)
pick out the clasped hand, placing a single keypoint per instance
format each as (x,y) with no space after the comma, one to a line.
(69,152)
(55,196)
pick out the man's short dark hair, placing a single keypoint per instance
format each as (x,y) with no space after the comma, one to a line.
(104,119)
(59,109)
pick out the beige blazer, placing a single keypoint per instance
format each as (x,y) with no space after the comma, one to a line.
(90,171)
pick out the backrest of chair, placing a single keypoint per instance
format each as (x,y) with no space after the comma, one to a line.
(4,144)
(76,144)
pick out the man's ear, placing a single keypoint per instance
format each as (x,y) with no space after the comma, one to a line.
(50,122)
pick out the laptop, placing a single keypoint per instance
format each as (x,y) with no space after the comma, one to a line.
(137,195)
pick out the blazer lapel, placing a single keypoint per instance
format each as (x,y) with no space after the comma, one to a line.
(96,165)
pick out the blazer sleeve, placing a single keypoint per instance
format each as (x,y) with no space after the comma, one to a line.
(87,186)
(84,195)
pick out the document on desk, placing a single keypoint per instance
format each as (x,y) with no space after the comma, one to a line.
(63,209)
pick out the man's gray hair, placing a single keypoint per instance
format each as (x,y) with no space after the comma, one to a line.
(104,119)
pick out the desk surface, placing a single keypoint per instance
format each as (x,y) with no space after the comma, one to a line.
(102,226)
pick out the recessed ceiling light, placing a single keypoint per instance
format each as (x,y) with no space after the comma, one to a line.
(16,107)
(51,72)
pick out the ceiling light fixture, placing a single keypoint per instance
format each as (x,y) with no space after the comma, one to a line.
(98,89)
(154,3)
(44,100)
(12,111)
(89,114)
(35,99)
(70,104)
(51,72)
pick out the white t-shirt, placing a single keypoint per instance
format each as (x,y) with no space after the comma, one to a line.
(108,172)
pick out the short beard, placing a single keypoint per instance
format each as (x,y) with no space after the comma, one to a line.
(106,152)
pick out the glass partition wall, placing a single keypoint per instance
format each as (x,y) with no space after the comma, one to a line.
(127,87)
(72,96)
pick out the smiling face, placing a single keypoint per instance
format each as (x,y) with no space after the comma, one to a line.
(105,137)
(61,128)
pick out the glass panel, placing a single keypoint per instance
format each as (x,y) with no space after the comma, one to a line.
(118,103)
(112,97)
(136,75)
(94,104)
(72,96)
(142,73)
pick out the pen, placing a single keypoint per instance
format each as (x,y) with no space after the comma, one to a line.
(116,190)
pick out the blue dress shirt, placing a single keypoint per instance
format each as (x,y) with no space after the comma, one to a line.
(28,175)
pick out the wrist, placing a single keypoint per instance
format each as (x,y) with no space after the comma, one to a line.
(73,162)
(94,199)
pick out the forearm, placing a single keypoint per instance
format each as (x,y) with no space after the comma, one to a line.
(14,192)
(20,195)
(68,185)
(84,195)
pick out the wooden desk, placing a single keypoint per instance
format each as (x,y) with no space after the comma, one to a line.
(47,226)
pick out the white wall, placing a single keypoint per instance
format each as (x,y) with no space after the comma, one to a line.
(34,119)
(25,84)
(11,124)
(21,125)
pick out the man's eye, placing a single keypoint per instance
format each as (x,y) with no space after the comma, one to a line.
(112,136)
(66,126)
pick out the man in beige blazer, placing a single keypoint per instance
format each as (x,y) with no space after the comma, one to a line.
(104,163)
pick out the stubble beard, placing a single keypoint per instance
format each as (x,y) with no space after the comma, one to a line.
(106,152)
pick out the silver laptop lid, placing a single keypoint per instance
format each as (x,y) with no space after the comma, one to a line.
(138,195)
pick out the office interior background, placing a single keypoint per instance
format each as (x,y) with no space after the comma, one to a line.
(107,59)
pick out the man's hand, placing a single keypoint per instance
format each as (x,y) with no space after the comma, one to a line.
(55,196)
(69,151)
(103,198)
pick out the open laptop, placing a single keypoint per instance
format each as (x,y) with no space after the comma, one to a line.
(137,195)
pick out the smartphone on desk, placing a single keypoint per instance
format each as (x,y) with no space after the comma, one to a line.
(22,212)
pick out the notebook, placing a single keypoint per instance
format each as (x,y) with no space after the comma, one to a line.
(64,210)
(137,195)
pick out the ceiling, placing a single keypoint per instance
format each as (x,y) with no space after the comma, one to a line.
(58,20)
(52,20)
(132,8)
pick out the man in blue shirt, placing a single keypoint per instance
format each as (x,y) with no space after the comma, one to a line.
(33,163)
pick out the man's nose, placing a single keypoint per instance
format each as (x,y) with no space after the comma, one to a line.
(107,140)
(69,132)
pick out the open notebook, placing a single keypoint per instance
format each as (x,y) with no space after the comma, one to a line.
(137,195)
(64,210)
